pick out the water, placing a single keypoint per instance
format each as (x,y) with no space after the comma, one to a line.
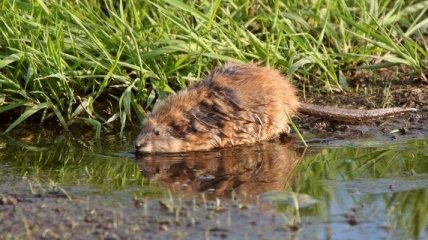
(349,189)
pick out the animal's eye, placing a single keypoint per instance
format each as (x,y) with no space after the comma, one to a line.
(157,132)
(176,127)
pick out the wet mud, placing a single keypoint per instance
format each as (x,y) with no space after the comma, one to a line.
(53,215)
(412,94)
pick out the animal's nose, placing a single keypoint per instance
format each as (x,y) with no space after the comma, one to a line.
(140,146)
(137,145)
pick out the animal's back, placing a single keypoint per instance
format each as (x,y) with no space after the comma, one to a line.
(236,104)
(255,86)
(265,98)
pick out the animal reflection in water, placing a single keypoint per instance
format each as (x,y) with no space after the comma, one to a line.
(247,171)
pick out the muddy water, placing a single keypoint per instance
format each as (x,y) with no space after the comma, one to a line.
(347,189)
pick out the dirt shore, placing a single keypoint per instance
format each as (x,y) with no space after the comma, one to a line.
(56,215)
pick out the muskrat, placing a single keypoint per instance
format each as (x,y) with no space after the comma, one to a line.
(235,104)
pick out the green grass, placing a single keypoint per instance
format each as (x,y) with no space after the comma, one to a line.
(105,63)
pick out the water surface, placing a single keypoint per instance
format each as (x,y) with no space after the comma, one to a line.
(353,189)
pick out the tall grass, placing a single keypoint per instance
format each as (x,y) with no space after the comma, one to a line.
(105,63)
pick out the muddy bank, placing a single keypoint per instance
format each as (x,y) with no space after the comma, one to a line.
(372,94)
(55,214)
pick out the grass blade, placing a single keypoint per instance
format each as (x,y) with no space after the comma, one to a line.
(28,113)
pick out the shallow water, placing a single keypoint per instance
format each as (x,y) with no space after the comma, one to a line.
(353,189)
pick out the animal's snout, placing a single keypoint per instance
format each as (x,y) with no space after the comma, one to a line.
(138,145)
(143,146)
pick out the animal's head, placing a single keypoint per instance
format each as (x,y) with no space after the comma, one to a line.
(156,137)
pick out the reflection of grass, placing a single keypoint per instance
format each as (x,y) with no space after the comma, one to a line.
(364,163)
(67,161)
(104,62)
(411,210)
(350,163)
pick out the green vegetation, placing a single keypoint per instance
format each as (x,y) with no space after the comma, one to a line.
(104,63)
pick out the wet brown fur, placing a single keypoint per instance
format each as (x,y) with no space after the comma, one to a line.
(236,104)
